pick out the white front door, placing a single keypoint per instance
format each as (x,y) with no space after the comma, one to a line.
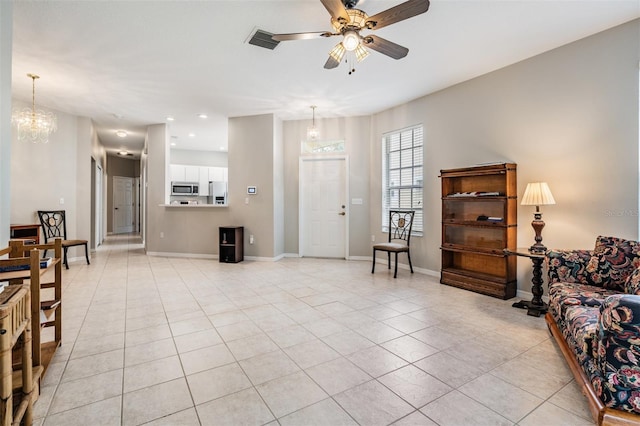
(323,207)
(122,205)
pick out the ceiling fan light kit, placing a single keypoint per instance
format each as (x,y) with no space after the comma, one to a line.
(348,22)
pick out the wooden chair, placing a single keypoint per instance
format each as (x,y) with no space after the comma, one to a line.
(400,223)
(54,225)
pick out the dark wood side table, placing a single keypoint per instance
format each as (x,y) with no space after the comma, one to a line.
(26,232)
(536,306)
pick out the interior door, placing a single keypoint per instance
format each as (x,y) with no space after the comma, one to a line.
(323,201)
(98,206)
(122,205)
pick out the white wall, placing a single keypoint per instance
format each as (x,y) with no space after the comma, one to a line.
(55,176)
(6,33)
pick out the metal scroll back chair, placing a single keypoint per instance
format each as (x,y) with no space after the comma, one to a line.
(54,226)
(400,223)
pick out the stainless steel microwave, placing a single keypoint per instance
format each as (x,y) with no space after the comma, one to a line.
(184,188)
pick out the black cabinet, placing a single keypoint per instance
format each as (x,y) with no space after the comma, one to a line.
(231,244)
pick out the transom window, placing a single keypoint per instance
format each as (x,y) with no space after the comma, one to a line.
(402,175)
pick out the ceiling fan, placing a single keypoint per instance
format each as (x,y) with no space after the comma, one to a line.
(348,21)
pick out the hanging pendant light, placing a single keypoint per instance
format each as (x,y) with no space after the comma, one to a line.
(312,131)
(32,125)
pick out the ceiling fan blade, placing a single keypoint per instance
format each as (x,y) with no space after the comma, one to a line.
(336,9)
(300,36)
(397,13)
(331,63)
(385,46)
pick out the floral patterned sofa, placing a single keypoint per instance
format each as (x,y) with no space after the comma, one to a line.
(594,315)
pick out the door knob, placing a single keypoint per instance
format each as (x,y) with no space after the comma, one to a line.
(342,213)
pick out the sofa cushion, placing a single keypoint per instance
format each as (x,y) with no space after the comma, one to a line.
(632,284)
(564,295)
(568,266)
(603,243)
(581,331)
(613,260)
(619,353)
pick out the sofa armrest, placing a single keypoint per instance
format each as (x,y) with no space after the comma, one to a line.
(569,265)
(619,352)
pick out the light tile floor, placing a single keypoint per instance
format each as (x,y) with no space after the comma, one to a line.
(174,341)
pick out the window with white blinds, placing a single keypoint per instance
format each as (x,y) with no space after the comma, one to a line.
(402,175)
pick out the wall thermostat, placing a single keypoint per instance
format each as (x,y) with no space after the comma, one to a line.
(252,190)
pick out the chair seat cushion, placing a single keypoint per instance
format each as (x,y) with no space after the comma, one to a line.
(71,243)
(391,247)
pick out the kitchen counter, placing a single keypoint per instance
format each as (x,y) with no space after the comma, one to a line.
(196,206)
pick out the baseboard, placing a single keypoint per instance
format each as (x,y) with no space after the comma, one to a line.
(527,295)
(182,255)
(405,266)
(265,259)
(363,258)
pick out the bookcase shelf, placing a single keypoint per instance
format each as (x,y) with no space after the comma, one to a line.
(476,228)
(231,247)
(45,305)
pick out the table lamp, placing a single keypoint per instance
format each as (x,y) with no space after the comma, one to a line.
(537,194)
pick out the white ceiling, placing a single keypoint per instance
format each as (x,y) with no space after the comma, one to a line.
(129,64)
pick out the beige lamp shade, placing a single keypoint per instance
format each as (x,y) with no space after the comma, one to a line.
(537,194)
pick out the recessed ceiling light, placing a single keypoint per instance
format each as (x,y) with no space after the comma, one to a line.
(192,135)
(121,134)
(222,148)
(173,144)
(202,115)
(170,118)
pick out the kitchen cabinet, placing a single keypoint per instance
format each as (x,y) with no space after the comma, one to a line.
(182,173)
(203,181)
(177,173)
(218,174)
(191,173)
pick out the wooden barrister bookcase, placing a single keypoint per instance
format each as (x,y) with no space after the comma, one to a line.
(479,221)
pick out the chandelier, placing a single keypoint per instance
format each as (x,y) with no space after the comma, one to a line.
(32,125)
(312,131)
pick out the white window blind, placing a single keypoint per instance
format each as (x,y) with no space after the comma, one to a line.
(402,175)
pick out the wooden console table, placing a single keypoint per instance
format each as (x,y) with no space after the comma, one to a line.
(536,306)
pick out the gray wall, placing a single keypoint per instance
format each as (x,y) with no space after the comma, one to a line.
(355,131)
(568,117)
(251,162)
(253,151)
